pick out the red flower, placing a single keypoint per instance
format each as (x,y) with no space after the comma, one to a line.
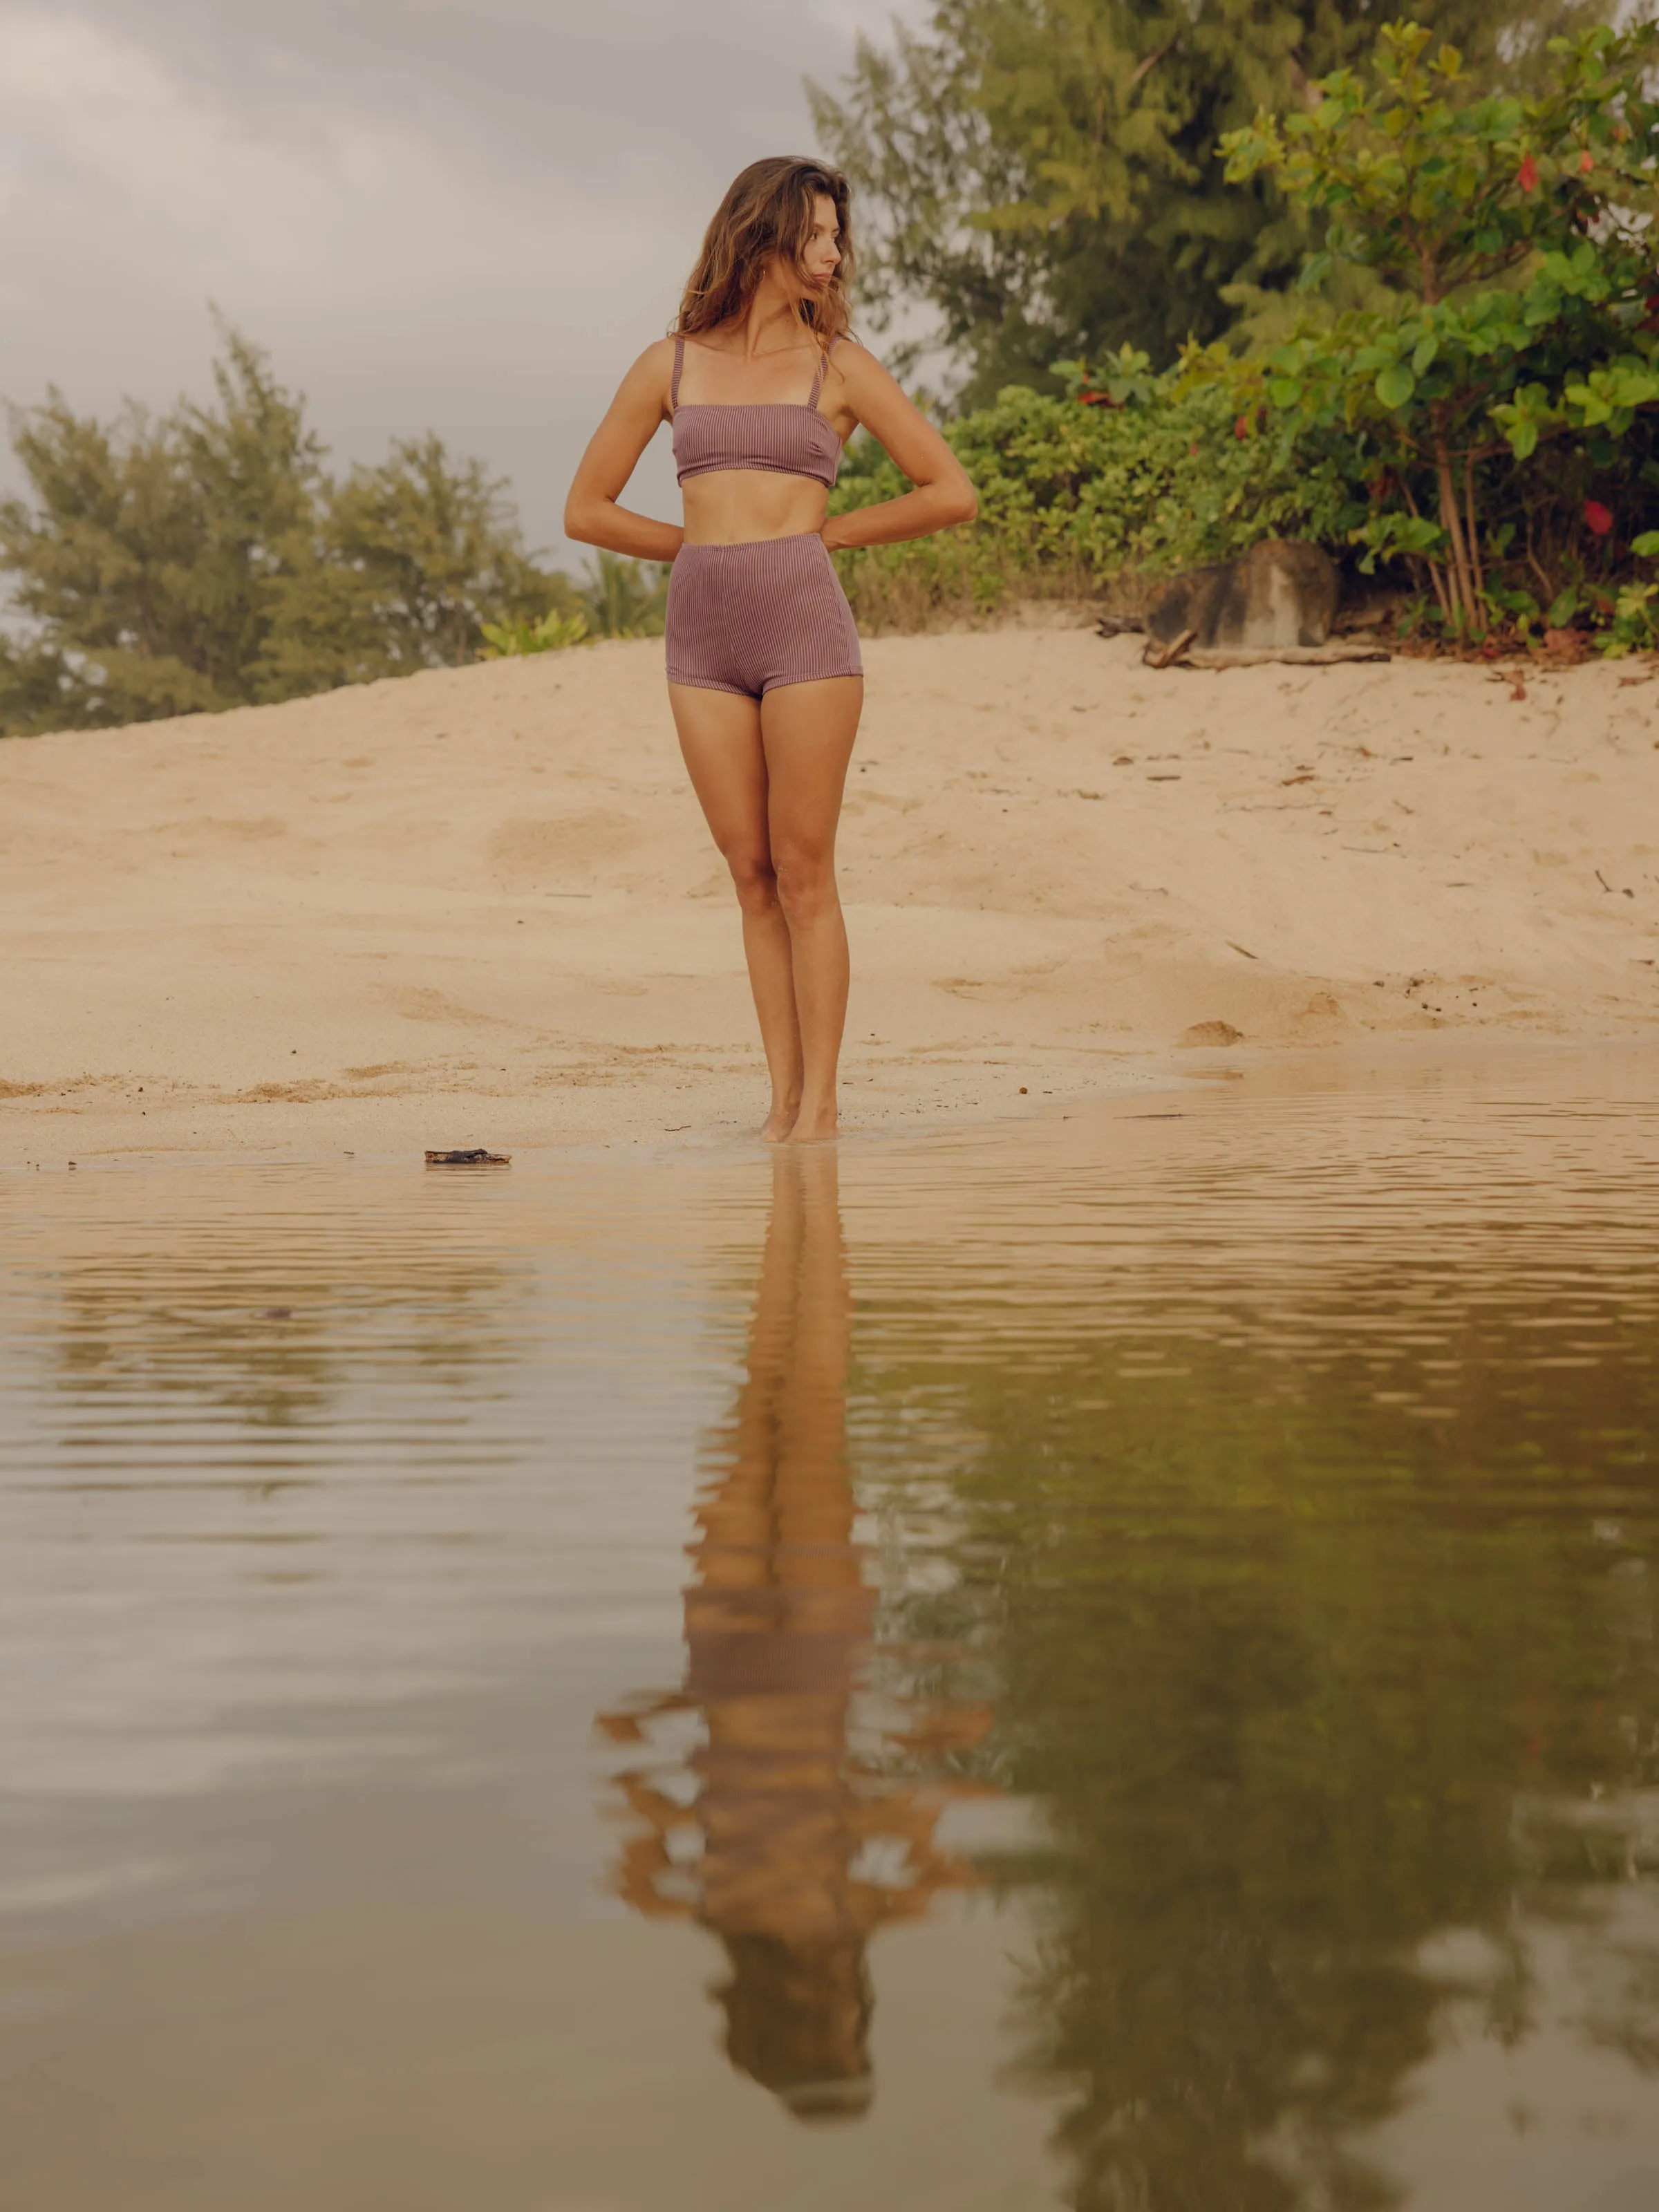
(1242,427)
(1528,175)
(1586,162)
(1597,516)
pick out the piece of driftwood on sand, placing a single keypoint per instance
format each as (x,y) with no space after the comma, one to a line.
(1161,656)
(1299,656)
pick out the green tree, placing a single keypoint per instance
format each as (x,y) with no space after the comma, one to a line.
(407,562)
(1516,232)
(1042,174)
(204,559)
(148,560)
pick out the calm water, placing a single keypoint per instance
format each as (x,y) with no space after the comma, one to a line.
(1108,1664)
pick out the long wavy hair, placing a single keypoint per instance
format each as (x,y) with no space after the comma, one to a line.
(767,215)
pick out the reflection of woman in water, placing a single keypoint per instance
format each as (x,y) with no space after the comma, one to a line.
(777,1624)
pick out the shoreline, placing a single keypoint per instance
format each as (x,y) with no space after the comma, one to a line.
(1303,1073)
(481,905)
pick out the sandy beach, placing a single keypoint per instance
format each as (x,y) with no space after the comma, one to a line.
(480,906)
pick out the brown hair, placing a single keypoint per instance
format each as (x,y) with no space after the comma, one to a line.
(767,214)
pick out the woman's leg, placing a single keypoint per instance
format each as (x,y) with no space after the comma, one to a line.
(807,731)
(720,738)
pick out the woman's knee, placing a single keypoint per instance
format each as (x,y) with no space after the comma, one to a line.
(806,884)
(754,880)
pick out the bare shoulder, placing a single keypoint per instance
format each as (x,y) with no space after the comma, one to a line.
(863,388)
(657,360)
(858,370)
(648,376)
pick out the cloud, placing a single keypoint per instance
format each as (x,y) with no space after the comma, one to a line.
(304,212)
(469,218)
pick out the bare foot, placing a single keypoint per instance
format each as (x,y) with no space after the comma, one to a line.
(821,1126)
(778,1124)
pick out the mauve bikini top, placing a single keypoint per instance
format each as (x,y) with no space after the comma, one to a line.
(789,437)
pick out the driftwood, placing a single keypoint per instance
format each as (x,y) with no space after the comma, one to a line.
(1298,656)
(1164,656)
(475,1158)
(1183,653)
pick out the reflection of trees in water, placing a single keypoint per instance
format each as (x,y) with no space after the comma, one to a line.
(273,1333)
(803,1850)
(1281,1669)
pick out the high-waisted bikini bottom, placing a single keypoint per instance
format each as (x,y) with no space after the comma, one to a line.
(747,619)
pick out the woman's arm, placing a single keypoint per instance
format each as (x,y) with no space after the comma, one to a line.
(942,493)
(592,515)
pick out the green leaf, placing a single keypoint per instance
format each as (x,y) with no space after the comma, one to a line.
(1563,609)
(1634,387)
(1647,545)
(1523,438)
(1510,601)
(1423,359)
(1395,386)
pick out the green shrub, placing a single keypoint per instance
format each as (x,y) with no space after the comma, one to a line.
(623,597)
(555,633)
(1490,431)
(1074,497)
(1503,405)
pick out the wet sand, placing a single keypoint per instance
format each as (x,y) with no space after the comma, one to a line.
(482,905)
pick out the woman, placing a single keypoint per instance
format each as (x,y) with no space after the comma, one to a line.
(764,676)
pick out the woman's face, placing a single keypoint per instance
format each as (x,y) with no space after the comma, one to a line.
(822,256)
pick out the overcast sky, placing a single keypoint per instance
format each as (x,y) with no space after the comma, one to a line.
(461,215)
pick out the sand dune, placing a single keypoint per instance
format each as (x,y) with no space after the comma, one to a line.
(482,904)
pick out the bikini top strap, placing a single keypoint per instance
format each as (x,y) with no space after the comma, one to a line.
(824,363)
(679,363)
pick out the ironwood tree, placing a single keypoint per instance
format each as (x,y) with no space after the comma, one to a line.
(204,558)
(1042,174)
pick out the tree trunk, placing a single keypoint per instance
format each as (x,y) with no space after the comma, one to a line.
(1469,517)
(1437,569)
(1460,574)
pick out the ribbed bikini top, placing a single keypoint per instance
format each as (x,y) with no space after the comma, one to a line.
(789,437)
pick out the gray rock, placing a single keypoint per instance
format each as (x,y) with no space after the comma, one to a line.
(1282,592)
